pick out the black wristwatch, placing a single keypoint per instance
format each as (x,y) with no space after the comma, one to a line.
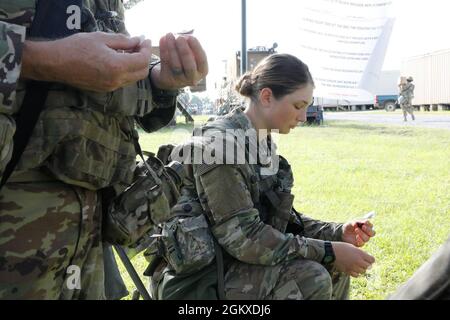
(329,253)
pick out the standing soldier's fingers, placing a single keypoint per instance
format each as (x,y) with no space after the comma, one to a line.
(200,55)
(164,52)
(174,59)
(135,61)
(187,59)
(119,41)
(145,47)
(139,75)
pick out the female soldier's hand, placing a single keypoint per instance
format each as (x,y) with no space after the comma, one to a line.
(357,233)
(351,260)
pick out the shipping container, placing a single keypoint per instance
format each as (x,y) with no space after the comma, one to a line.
(431,73)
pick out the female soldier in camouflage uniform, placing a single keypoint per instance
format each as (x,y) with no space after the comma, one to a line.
(270,251)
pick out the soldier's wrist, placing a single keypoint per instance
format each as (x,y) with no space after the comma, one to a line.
(160,95)
(329,256)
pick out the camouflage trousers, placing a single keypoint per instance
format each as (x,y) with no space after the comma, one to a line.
(294,280)
(50,242)
(407,108)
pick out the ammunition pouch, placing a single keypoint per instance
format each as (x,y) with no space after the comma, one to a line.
(144,204)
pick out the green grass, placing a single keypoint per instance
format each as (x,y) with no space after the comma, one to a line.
(344,170)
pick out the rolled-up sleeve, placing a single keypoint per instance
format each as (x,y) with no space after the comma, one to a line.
(237,225)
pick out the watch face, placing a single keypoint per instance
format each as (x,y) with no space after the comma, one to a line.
(328,259)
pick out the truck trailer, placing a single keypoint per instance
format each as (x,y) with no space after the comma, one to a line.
(431,73)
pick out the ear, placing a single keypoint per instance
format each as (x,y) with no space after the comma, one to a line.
(265,97)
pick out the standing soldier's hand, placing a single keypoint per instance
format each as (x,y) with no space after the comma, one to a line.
(95,61)
(183,62)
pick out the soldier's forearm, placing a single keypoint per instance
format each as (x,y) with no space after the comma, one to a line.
(39,60)
(95,61)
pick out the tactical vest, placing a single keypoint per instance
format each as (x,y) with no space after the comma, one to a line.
(271,194)
(86,138)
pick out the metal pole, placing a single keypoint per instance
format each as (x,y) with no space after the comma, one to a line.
(132,272)
(244,38)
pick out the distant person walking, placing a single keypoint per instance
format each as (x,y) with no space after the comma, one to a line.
(405,98)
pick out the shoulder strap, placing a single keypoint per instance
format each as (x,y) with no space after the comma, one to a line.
(32,105)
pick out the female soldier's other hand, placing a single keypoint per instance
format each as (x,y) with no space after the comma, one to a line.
(351,260)
(357,233)
(183,62)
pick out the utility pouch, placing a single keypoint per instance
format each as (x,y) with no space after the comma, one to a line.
(143,205)
(187,243)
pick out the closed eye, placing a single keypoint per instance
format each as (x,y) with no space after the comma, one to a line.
(300,106)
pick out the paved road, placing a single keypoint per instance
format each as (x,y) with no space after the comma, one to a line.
(427,120)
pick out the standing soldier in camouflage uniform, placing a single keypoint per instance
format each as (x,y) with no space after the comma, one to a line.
(100,82)
(406,96)
(269,250)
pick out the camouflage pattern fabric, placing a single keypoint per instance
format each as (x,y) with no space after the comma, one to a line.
(267,262)
(41,237)
(188,244)
(7,129)
(12,38)
(407,92)
(83,141)
(297,279)
(14,16)
(236,222)
(145,203)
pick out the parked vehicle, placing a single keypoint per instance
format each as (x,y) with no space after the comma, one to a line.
(386,102)
(385,91)
(314,115)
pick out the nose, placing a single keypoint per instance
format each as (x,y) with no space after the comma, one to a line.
(302,115)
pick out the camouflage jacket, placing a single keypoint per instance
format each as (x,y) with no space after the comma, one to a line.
(407,91)
(82,137)
(245,224)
